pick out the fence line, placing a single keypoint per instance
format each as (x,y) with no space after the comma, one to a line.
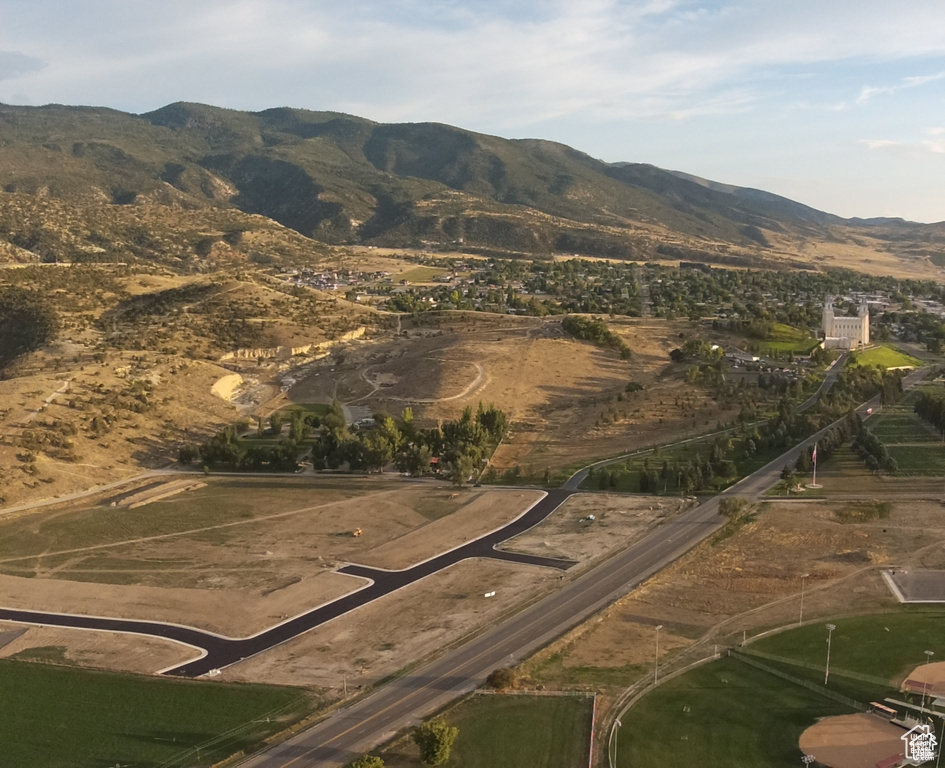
(838,697)
(526,692)
(839,671)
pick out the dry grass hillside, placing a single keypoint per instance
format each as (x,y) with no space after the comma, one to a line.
(140,365)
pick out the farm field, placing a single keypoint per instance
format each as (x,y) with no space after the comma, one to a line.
(59,717)
(512,730)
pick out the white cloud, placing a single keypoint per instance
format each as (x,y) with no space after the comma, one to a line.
(535,60)
(868,92)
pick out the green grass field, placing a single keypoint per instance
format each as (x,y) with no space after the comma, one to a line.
(421,274)
(885,646)
(55,716)
(785,338)
(886,357)
(532,731)
(724,714)
(902,426)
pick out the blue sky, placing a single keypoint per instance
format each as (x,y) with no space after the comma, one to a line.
(839,104)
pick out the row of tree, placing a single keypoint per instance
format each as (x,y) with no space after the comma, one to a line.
(595,330)
(458,447)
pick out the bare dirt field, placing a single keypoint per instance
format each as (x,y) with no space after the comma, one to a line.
(482,513)
(852,741)
(103,650)
(382,637)
(566,399)
(749,581)
(618,520)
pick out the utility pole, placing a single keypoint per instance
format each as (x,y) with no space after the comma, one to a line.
(800,618)
(656,665)
(830,629)
(926,686)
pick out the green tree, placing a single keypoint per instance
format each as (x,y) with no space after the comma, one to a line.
(435,739)
(367,761)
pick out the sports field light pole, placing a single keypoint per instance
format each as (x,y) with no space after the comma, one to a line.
(830,629)
(800,618)
(925,686)
(656,662)
(940,738)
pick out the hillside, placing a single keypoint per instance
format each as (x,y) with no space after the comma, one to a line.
(194,187)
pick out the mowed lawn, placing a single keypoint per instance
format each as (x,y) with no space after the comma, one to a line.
(885,646)
(514,732)
(886,357)
(724,714)
(57,716)
(786,338)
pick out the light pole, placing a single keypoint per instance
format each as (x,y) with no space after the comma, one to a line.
(656,661)
(616,736)
(939,757)
(926,686)
(800,618)
(830,629)
(808,759)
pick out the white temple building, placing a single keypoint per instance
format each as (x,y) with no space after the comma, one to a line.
(846,332)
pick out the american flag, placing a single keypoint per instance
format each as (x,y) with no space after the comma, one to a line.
(813,456)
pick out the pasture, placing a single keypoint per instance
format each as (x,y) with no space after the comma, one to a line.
(60,718)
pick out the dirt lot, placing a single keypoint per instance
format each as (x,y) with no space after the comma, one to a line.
(103,650)
(750,581)
(482,513)
(618,519)
(565,398)
(382,637)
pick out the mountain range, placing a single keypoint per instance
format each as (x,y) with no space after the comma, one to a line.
(83,182)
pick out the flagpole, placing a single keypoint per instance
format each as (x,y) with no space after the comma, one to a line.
(813,456)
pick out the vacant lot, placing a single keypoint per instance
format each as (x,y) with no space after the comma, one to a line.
(97,718)
(378,639)
(533,731)
(747,581)
(239,554)
(566,399)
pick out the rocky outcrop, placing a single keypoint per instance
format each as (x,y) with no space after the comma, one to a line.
(284,353)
